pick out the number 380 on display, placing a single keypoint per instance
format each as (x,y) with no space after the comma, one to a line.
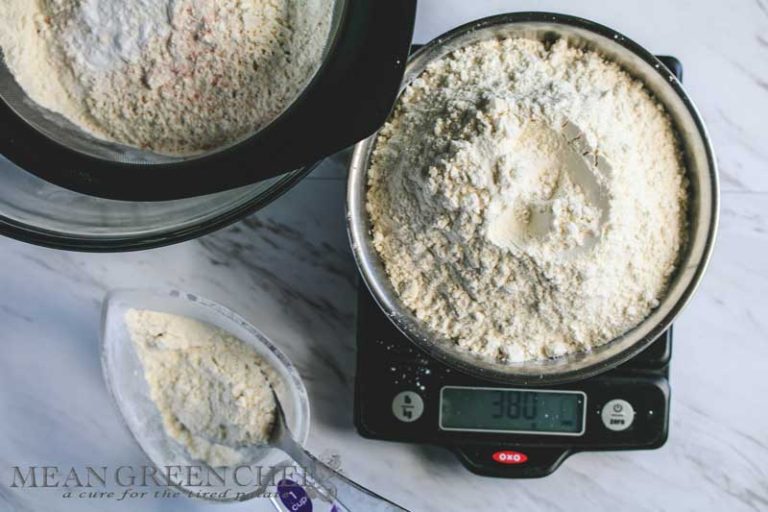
(515,405)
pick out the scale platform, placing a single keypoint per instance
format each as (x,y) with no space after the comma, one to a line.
(401,394)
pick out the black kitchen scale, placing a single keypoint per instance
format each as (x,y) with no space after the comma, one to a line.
(497,430)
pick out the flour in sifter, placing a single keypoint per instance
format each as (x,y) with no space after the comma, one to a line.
(172,76)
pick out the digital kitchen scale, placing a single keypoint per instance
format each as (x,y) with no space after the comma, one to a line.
(505,431)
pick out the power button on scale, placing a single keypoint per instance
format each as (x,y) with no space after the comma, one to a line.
(618,415)
(407,406)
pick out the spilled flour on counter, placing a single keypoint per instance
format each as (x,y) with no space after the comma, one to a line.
(527,201)
(207,385)
(173,76)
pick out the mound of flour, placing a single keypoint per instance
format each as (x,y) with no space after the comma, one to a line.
(527,201)
(208,385)
(171,76)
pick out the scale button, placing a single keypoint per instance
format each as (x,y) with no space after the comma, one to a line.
(407,406)
(510,457)
(618,415)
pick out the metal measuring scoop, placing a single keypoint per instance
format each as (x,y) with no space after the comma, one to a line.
(342,493)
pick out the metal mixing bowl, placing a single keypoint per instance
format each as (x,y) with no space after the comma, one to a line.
(703,206)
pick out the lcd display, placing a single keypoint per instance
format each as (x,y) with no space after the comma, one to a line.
(512,410)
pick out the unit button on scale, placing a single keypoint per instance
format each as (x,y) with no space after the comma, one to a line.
(407,406)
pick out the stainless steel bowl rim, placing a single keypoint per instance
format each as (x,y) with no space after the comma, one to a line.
(572,367)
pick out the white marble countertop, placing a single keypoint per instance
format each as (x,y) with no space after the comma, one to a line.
(288,269)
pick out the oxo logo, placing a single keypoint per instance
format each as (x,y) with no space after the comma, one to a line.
(510,457)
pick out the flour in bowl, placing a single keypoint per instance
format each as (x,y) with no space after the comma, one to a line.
(176,77)
(527,200)
(207,384)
